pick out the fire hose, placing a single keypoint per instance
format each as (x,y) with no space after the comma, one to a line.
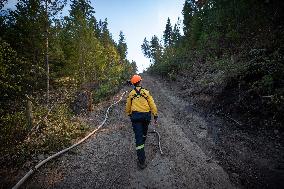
(23,179)
(159,139)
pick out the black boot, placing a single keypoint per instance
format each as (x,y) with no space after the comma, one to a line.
(141,165)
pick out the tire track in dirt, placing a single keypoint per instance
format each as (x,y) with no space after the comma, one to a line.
(108,159)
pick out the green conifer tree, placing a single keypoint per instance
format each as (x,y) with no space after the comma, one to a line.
(168,34)
(122,46)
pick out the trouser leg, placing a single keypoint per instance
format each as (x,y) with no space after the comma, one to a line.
(145,130)
(138,130)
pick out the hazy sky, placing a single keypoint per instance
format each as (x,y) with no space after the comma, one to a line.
(137,19)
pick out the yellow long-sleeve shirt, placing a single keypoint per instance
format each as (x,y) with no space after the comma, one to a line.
(141,103)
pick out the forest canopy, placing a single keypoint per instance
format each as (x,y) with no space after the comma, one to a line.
(47,60)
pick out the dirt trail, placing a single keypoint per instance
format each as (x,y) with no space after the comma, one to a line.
(108,159)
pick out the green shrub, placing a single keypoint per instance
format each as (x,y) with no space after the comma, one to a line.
(52,131)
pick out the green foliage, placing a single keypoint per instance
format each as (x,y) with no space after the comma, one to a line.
(188,12)
(13,128)
(152,49)
(57,129)
(265,73)
(2,3)
(145,47)
(122,46)
(52,131)
(17,77)
(103,92)
(229,67)
(230,45)
(176,32)
(80,50)
(168,34)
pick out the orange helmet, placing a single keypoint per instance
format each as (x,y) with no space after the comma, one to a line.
(135,79)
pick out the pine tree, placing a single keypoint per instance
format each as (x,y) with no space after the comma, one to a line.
(145,47)
(122,46)
(188,10)
(25,30)
(51,9)
(168,34)
(81,14)
(155,49)
(176,32)
(28,32)
(105,35)
(2,3)
(152,49)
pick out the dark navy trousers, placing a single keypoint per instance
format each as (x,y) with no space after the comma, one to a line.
(140,122)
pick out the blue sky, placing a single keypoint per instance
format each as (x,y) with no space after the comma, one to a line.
(137,19)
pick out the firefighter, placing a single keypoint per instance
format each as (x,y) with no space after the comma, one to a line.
(139,106)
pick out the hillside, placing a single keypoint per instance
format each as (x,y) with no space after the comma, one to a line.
(200,150)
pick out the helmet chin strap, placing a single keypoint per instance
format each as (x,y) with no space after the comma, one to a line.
(138,84)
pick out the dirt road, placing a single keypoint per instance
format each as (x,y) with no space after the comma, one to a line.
(108,159)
